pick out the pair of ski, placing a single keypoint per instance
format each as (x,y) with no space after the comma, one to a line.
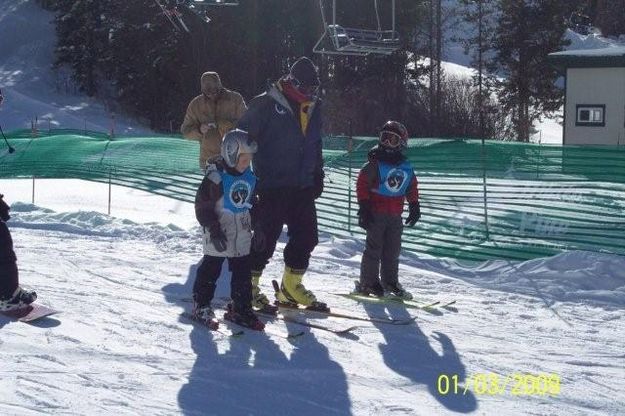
(284,313)
(284,308)
(214,325)
(408,303)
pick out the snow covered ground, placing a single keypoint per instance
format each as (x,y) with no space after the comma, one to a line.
(33,90)
(120,346)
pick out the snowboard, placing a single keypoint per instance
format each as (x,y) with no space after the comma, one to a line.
(30,313)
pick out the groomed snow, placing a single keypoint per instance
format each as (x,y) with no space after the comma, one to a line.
(120,347)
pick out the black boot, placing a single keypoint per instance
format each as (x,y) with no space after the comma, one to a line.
(244,317)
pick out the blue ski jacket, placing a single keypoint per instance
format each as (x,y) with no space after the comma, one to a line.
(286,157)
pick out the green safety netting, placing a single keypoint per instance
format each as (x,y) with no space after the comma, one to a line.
(536,200)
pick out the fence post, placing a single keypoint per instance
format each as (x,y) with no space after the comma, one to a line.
(484,186)
(540,140)
(109,205)
(349,179)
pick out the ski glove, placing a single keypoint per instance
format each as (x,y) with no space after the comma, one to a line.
(414,214)
(259,241)
(4,209)
(365,216)
(318,185)
(218,239)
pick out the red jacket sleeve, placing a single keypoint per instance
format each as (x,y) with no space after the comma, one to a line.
(413,190)
(362,185)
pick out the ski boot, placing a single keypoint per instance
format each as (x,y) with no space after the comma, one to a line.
(367,290)
(20,299)
(260,302)
(244,317)
(292,292)
(205,315)
(396,290)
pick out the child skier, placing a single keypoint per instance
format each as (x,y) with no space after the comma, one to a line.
(383,185)
(12,296)
(222,206)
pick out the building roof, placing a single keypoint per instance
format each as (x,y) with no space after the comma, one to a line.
(613,56)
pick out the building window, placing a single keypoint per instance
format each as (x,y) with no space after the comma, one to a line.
(590,115)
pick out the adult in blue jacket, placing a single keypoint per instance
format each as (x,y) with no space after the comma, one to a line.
(285,121)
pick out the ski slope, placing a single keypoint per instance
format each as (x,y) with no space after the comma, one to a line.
(120,346)
(36,93)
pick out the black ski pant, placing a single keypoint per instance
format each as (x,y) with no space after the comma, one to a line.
(383,247)
(8,266)
(240,283)
(275,208)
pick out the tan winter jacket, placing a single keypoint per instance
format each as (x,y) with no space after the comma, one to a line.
(221,114)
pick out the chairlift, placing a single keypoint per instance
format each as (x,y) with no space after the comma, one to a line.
(339,40)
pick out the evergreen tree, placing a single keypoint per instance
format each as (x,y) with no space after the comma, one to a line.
(611,17)
(82,34)
(527,31)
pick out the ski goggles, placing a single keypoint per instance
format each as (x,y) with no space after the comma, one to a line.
(390,139)
(308,90)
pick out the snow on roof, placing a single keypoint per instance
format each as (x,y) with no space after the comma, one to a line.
(613,56)
(609,51)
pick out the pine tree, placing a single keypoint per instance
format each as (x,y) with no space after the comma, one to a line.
(480,16)
(611,17)
(527,31)
(82,34)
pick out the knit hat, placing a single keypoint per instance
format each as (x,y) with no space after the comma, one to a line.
(305,72)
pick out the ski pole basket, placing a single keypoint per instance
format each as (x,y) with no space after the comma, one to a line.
(340,40)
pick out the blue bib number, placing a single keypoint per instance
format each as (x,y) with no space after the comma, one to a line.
(238,191)
(394,180)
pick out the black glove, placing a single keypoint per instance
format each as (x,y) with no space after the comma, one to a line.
(365,216)
(259,241)
(318,185)
(218,238)
(4,209)
(414,214)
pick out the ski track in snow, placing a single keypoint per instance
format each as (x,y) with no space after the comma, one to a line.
(119,345)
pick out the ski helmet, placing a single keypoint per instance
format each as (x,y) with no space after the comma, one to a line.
(393,136)
(234,143)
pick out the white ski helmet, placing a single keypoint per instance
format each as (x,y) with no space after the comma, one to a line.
(234,143)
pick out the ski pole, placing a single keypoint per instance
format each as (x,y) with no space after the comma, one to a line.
(11,149)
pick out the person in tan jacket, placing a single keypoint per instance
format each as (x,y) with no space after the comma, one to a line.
(211,115)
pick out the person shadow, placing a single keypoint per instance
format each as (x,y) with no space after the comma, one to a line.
(408,352)
(256,373)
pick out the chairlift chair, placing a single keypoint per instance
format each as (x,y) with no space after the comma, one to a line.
(339,40)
